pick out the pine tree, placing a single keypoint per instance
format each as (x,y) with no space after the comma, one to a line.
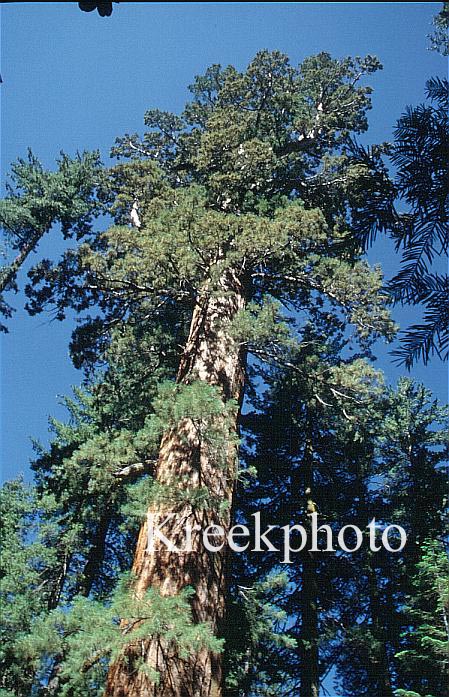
(416,453)
(36,201)
(28,553)
(376,453)
(419,155)
(424,658)
(304,444)
(407,485)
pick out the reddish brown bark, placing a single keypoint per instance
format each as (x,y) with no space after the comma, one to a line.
(212,356)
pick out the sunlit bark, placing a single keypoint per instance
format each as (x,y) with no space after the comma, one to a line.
(212,356)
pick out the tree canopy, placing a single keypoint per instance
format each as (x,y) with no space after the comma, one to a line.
(226,327)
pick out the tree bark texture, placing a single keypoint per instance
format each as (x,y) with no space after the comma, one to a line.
(212,356)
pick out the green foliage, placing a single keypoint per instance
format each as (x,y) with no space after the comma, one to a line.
(202,406)
(245,179)
(413,453)
(257,640)
(419,154)
(243,134)
(310,431)
(407,484)
(26,561)
(260,325)
(424,656)
(81,473)
(439,40)
(257,180)
(36,200)
(90,634)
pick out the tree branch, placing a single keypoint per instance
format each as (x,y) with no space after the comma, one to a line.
(137,468)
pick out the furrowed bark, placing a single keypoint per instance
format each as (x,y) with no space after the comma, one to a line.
(212,356)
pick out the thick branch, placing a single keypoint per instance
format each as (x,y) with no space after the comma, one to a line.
(137,468)
(11,270)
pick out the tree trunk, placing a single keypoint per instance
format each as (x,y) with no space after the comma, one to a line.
(378,665)
(10,271)
(96,555)
(310,676)
(310,673)
(212,356)
(377,660)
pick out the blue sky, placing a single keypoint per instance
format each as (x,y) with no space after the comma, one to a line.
(75,81)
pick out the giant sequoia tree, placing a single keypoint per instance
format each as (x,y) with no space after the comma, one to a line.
(230,236)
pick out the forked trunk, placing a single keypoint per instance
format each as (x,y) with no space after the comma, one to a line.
(212,356)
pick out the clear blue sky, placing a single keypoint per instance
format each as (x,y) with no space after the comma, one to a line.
(74,81)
